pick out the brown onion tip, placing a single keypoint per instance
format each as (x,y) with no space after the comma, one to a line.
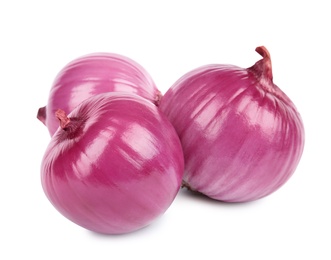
(62,116)
(41,115)
(158,98)
(263,52)
(263,67)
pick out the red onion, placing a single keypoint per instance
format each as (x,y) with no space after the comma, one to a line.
(94,74)
(242,137)
(114,165)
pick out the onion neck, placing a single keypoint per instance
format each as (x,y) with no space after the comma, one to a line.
(64,120)
(70,126)
(41,115)
(263,69)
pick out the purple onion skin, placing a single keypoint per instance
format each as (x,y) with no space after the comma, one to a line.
(242,137)
(114,165)
(93,74)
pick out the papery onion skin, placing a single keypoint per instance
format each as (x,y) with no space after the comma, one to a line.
(115,165)
(93,74)
(242,137)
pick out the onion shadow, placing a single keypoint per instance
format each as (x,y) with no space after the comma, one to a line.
(200,197)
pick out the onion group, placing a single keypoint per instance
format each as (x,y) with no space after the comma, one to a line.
(93,74)
(114,165)
(242,137)
(118,159)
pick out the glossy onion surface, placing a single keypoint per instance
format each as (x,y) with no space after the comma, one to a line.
(93,74)
(115,164)
(242,137)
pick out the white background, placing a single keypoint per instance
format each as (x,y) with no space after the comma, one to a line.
(168,38)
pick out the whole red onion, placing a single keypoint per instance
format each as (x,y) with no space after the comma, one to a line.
(242,137)
(115,164)
(94,74)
